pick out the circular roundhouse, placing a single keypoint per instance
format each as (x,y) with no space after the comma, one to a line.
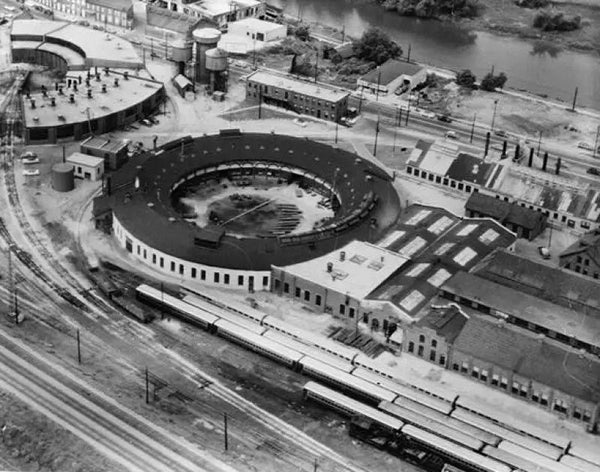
(139,205)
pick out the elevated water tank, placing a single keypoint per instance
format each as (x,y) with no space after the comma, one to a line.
(181,51)
(205,39)
(63,177)
(216,60)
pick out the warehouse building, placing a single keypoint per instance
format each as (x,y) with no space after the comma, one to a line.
(583,256)
(109,12)
(306,98)
(393,75)
(86,167)
(114,152)
(259,30)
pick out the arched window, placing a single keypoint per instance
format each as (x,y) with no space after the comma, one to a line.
(411,347)
(421,338)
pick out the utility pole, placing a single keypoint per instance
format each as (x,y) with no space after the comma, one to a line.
(259,101)
(343,33)
(473,127)
(336,131)
(408,54)
(316,465)
(596,142)
(78,348)
(378,83)
(360,99)
(494,114)
(395,133)
(147,388)
(376,136)
(539,144)
(575,98)
(151,48)
(225,431)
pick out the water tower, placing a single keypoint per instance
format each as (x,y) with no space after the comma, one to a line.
(205,39)
(216,65)
(181,53)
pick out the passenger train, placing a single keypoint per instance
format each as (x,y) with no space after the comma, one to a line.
(415,412)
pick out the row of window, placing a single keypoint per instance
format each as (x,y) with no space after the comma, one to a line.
(441,180)
(577,268)
(286,95)
(521,390)
(432,352)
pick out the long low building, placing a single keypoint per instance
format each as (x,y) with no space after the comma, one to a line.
(307,98)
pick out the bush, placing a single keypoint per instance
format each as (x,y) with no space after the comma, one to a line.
(548,21)
(466,78)
(302,32)
(532,3)
(376,46)
(436,8)
(491,82)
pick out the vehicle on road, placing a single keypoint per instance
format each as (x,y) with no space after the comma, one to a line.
(593,171)
(30,160)
(544,252)
(146,122)
(451,135)
(28,155)
(31,173)
(501,133)
(586,146)
(444,118)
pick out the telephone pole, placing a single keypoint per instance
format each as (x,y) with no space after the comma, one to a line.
(596,142)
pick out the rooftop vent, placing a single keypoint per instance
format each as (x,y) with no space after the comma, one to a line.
(103,88)
(106,71)
(97,77)
(72,98)
(89,93)
(126,75)
(53,101)
(116,81)
(342,256)
(56,86)
(32,103)
(36,118)
(74,87)
(330,267)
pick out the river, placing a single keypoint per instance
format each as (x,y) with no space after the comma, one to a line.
(530,65)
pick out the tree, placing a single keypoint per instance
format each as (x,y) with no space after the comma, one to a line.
(376,46)
(466,78)
(491,82)
(302,32)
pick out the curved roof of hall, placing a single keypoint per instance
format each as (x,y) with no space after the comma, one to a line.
(97,48)
(162,228)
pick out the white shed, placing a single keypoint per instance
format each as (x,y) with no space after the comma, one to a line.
(260,30)
(86,166)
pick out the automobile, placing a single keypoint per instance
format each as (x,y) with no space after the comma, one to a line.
(30,160)
(146,122)
(586,146)
(593,171)
(31,173)
(83,23)
(153,120)
(451,135)
(544,252)
(300,122)
(444,118)
(501,133)
(28,155)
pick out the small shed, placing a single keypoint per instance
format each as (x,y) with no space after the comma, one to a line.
(392,75)
(260,30)
(183,84)
(86,166)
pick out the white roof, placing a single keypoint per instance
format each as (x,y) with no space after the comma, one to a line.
(220,7)
(365,267)
(86,160)
(298,86)
(259,25)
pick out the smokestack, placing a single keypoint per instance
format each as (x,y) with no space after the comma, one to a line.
(95,70)
(545,163)
(106,70)
(531,151)
(126,75)
(558,166)
(52,101)
(517,151)
(487,144)
(342,256)
(330,267)
(103,88)
(55,86)
(116,81)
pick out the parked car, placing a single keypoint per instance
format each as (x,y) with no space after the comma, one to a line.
(146,122)
(544,252)
(30,160)
(451,135)
(586,146)
(28,155)
(31,172)
(501,133)
(444,118)
(593,171)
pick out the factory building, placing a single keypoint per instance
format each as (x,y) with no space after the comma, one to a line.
(219,12)
(259,30)
(109,12)
(583,256)
(113,152)
(306,98)
(86,167)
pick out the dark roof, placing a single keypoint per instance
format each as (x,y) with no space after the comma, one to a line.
(173,21)
(568,323)
(532,356)
(504,212)
(553,284)
(446,321)
(345,50)
(469,168)
(589,244)
(148,214)
(391,70)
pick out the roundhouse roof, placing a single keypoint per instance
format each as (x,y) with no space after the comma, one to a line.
(147,213)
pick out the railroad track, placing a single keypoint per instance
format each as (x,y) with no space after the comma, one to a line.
(83,415)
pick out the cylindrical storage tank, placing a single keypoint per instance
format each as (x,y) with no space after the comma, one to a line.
(205,39)
(181,51)
(63,177)
(216,60)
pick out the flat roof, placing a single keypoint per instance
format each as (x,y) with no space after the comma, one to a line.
(220,7)
(299,86)
(364,268)
(261,25)
(104,144)
(468,168)
(528,308)
(98,48)
(80,159)
(73,58)
(113,4)
(128,93)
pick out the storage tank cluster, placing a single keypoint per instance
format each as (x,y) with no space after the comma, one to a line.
(211,62)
